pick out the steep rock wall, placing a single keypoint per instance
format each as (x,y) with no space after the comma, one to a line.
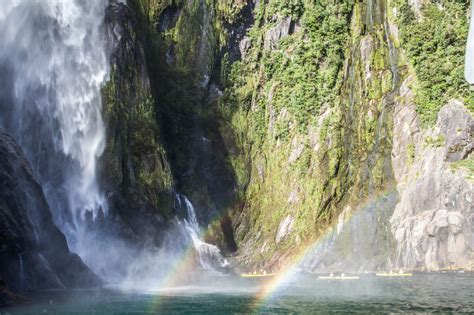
(135,165)
(34,253)
(433,221)
(322,136)
(182,40)
(276,116)
(318,106)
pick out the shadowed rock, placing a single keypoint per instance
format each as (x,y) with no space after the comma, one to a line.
(34,254)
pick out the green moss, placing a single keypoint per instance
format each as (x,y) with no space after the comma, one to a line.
(467,165)
(436,142)
(435,45)
(411,153)
(283,93)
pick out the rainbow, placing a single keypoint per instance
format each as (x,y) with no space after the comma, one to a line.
(269,286)
(185,265)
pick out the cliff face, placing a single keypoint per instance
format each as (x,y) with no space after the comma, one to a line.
(282,120)
(34,253)
(320,115)
(433,220)
(345,109)
(136,171)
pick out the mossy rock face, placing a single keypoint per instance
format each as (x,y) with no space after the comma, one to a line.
(283,109)
(318,121)
(288,137)
(434,39)
(135,163)
(182,43)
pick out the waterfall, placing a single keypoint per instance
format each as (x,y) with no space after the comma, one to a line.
(209,256)
(52,67)
(48,267)
(469,64)
(22,273)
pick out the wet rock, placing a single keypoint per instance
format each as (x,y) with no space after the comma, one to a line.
(366,51)
(34,253)
(244,46)
(360,241)
(136,171)
(417,5)
(168,18)
(293,197)
(296,152)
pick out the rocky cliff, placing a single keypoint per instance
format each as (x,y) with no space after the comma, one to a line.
(34,253)
(283,120)
(136,171)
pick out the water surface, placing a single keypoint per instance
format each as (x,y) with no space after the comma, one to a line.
(434,292)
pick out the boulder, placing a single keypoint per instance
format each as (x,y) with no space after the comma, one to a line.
(458,128)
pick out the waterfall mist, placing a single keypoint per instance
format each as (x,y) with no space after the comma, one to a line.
(182,259)
(209,256)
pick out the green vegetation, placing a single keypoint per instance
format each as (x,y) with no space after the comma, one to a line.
(436,142)
(467,165)
(435,45)
(316,129)
(411,153)
(291,8)
(303,128)
(135,159)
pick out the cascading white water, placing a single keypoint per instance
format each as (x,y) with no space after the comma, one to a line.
(209,256)
(469,64)
(53,63)
(57,54)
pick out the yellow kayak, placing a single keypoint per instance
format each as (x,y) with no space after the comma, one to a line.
(394,274)
(338,278)
(249,275)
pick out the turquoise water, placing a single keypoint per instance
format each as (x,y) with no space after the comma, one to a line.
(301,294)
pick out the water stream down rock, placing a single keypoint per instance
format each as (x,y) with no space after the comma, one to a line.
(209,256)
